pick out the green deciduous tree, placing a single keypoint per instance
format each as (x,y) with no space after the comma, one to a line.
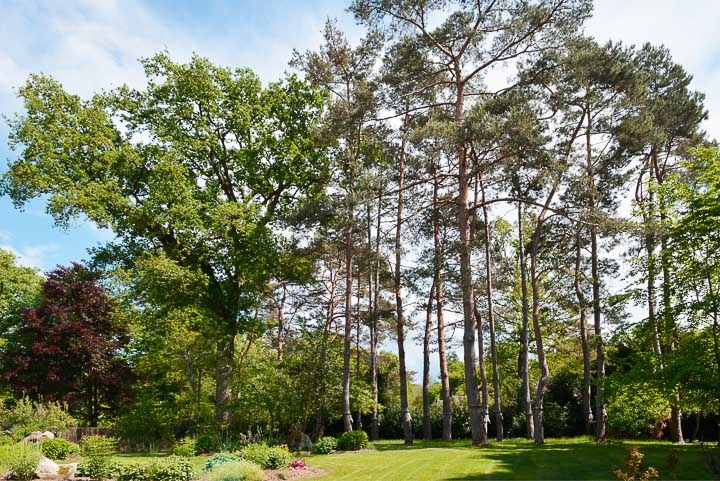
(194,173)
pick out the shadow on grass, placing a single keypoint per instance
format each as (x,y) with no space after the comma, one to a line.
(579,461)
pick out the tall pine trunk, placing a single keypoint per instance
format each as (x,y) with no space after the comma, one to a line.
(442,349)
(491,319)
(525,399)
(347,415)
(582,308)
(600,413)
(427,424)
(400,321)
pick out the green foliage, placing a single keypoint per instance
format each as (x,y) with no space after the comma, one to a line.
(96,451)
(325,445)
(236,471)
(97,446)
(172,468)
(27,416)
(185,447)
(353,441)
(20,459)
(218,459)
(205,443)
(5,440)
(269,457)
(634,407)
(58,448)
(20,287)
(633,469)
(131,472)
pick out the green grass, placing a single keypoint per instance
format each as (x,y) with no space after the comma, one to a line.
(558,459)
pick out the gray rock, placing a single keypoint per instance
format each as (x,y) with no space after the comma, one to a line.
(306,443)
(37,436)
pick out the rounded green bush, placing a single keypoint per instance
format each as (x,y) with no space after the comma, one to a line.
(236,471)
(185,447)
(58,448)
(325,445)
(172,468)
(353,441)
(131,472)
(274,457)
(205,443)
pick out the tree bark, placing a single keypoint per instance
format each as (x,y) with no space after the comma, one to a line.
(442,350)
(582,308)
(427,424)
(400,325)
(600,413)
(526,400)
(223,377)
(347,415)
(374,420)
(491,319)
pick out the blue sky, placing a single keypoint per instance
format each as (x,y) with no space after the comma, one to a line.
(89,45)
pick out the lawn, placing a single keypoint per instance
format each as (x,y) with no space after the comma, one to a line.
(519,459)
(559,459)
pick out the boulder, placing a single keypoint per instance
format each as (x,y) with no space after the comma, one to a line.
(306,443)
(49,469)
(37,436)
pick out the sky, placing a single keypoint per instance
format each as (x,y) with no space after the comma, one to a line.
(93,45)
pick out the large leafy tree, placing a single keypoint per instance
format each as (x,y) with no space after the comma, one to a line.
(19,287)
(193,174)
(69,347)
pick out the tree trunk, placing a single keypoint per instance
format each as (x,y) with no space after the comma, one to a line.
(582,308)
(526,400)
(427,425)
(491,320)
(544,370)
(357,348)
(281,323)
(600,413)
(347,415)
(400,326)
(485,398)
(223,377)
(442,350)
(374,420)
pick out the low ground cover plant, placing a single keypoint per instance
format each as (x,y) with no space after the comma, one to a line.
(269,457)
(19,461)
(58,448)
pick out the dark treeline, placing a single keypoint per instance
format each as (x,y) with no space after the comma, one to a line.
(478,177)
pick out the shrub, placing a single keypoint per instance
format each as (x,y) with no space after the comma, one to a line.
(27,416)
(236,471)
(325,445)
(131,472)
(298,464)
(97,451)
(205,443)
(633,468)
(20,459)
(184,447)
(274,457)
(353,441)
(172,468)
(219,459)
(58,448)
(5,440)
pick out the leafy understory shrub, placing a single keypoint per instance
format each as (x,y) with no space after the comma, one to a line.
(5,440)
(172,468)
(205,443)
(274,457)
(236,471)
(633,468)
(219,459)
(27,416)
(131,472)
(353,441)
(325,445)
(58,448)
(21,460)
(97,451)
(185,447)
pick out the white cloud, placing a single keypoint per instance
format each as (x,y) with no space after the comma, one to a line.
(32,255)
